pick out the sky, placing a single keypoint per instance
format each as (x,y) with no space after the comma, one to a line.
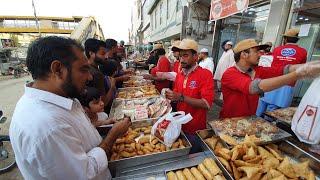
(113,15)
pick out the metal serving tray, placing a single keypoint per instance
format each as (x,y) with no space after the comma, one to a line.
(156,170)
(278,118)
(138,160)
(287,148)
(116,103)
(206,133)
(275,137)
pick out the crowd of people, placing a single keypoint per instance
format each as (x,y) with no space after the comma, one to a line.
(53,129)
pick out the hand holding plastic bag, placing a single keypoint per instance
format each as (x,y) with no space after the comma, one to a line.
(309,70)
(168,128)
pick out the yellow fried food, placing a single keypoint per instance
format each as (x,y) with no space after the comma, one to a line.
(286,168)
(196,173)
(212,167)
(225,163)
(144,139)
(204,171)
(236,173)
(264,153)
(187,173)
(218,177)
(270,163)
(180,175)
(223,152)
(250,171)
(228,139)
(172,176)
(211,142)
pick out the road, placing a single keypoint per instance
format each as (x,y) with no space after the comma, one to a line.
(10,92)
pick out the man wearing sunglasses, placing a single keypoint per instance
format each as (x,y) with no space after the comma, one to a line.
(193,91)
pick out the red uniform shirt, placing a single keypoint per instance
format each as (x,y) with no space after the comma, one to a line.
(289,54)
(176,67)
(237,101)
(197,84)
(162,66)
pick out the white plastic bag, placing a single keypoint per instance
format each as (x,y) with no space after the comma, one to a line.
(170,125)
(306,120)
(171,76)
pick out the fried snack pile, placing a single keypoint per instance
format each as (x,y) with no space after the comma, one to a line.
(140,92)
(207,170)
(139,141)
(247,161)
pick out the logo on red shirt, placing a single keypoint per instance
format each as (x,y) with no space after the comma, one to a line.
(288,52)
(193,84)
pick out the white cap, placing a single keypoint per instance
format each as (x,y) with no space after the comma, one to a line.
(230,43)
(204,50)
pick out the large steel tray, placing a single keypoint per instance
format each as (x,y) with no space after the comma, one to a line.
(278,116)
(136,88)
(278,136)
(287,147)
(156,170)
(139,160)
(117,102)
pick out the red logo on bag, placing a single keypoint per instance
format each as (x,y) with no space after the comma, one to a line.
(309,112)
(164,124)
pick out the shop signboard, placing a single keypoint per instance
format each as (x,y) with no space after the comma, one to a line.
(224,8)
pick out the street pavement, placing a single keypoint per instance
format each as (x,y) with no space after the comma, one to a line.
(12,89)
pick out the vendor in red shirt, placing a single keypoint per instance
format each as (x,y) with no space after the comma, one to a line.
(163,65)
(193,90)
(176,54)
(243,83)
(289,53)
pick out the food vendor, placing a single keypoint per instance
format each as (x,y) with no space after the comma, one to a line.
(163,65)
(193,90)
(245,81)
(289,53)
(51,136)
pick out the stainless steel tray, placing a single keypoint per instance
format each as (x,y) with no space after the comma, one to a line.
(138,160)
(130,88)
(116,103)
(206,133)
(278,136)
(193,164)
(156,170)
(280,119)
(287,148)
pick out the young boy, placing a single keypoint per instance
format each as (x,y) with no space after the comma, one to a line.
(94,107)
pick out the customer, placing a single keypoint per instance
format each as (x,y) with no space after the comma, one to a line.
(51,136)
(94,107)
(226,61)
(205,61)
(95,51)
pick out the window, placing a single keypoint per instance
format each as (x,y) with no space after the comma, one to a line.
(160,13)
(178,5)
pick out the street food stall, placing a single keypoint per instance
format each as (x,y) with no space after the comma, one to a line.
(233,148)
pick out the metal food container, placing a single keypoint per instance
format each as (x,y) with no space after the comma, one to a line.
(287,148)
(206,133)
(275,137)
(138,160)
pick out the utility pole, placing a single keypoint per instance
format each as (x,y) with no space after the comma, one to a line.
(37,20)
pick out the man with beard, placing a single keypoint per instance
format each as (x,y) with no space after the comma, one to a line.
(51,136)
(95,51)
(193,91)
(111,53)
